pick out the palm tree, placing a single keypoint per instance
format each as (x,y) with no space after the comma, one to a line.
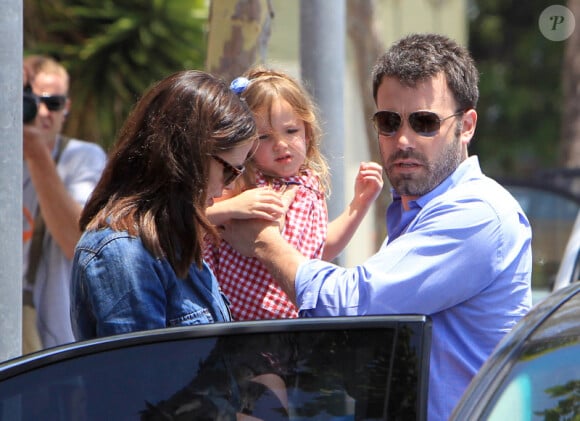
(114,51)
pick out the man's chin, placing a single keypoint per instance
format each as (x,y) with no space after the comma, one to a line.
(409,187)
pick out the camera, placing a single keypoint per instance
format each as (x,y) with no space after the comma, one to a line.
(30,105)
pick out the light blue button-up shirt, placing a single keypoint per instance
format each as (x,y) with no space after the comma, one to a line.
(461,254)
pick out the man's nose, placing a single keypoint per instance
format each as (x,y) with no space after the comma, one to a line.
(405,137)
(43,109)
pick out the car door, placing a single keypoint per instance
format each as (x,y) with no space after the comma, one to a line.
(340,368)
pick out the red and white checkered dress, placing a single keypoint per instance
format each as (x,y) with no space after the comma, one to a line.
(253,293)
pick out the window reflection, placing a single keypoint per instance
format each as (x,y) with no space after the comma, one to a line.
(543,385)
(552,215)
(365,374)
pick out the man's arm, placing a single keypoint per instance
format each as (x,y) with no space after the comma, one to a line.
(262,239)
(60,211)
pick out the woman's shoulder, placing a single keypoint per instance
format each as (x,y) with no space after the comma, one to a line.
(106,239)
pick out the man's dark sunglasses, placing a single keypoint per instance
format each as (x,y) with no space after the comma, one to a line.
(231,172)
(52,102)
(424,123)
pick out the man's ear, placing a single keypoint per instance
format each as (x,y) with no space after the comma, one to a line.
(468,123)
(66,107)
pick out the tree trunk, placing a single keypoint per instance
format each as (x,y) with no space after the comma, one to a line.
(571,96)
(570,152)
(367,47)
(239,32)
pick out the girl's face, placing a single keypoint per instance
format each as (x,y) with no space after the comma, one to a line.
(282,144)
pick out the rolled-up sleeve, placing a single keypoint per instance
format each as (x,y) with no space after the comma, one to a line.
(324,289)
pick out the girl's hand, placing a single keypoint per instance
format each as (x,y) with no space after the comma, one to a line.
(368,183)
(261,202)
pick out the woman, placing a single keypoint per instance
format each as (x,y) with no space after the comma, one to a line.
(139,263)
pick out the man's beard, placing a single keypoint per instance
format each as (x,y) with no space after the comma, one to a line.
(434,172)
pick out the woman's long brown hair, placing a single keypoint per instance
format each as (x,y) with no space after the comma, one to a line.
(155,183)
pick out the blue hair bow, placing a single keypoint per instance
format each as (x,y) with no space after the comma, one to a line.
(239,85)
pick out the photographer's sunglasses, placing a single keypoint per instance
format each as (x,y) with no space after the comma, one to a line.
(52,102)
(424,123)
(231,172)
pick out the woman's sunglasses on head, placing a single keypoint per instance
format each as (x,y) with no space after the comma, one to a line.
(424,123)
(231,172)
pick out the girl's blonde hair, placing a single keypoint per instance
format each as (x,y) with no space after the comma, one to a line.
(266,86)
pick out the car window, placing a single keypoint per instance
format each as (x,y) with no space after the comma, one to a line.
(569,270)
(543,386)
(552,213)
(543,383)
(367,372)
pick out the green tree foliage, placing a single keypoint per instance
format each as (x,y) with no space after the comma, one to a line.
(520,91)
(114,50)
(567,397)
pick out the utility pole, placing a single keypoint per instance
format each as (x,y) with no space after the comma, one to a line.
(11,30)
(323,63)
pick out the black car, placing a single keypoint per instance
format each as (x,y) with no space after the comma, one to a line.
(343,368)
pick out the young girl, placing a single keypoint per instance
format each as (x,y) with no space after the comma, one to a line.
(289,177)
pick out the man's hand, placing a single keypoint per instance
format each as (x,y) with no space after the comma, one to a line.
(34,144)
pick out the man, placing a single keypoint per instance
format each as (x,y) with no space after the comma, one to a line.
(58,190)
(459,244)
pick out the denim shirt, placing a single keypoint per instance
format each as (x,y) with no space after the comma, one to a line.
(119,287)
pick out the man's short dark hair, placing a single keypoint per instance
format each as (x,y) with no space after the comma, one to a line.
(419,57)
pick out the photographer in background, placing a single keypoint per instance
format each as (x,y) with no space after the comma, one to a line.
(59,174)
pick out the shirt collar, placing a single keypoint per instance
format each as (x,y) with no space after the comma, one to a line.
(305,178)
(398,220)
(469,168)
